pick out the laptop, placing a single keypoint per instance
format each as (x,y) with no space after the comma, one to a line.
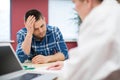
(11,69)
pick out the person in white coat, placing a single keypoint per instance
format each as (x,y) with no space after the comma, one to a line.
(98,50)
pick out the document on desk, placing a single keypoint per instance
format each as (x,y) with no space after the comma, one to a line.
(43,70)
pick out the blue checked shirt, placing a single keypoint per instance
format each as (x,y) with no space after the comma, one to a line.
(52,43)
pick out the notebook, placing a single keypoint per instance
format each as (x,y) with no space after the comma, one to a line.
(11,69)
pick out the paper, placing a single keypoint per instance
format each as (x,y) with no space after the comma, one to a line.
(44,70)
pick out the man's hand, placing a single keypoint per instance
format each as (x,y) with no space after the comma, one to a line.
(40,59)
(56,66)
(29,24)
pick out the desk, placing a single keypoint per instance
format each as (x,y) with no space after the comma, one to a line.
(37,65)
(41,68)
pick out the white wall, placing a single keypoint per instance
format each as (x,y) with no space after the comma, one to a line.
(4,20)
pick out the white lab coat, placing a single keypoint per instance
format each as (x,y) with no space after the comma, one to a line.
(98,51)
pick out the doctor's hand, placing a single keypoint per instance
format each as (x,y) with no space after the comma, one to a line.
(29,24)
(39,59)
(56,66)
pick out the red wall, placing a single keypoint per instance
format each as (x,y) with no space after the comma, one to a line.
(18,10)
(71,44)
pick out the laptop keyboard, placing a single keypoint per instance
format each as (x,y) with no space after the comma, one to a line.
(27,76)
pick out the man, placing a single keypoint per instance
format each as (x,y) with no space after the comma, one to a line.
(98,51)
(39,42)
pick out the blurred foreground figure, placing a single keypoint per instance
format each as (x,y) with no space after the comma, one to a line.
(98,51)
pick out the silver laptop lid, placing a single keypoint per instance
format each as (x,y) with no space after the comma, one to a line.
(8,60)
(10,67)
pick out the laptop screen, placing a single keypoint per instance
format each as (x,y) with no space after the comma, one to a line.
(8,61)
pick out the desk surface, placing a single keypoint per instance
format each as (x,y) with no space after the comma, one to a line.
(37,65)
(41,68)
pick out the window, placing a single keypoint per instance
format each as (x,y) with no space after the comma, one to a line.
(61,14)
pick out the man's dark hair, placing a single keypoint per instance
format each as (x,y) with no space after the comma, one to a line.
(37,14)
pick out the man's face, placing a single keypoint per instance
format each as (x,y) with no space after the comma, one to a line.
(82,7)
(40,29)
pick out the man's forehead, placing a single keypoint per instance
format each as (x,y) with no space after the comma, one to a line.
(39,23)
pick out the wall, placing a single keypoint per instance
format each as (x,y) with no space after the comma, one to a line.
(4,20)
(71,45)
(19,8)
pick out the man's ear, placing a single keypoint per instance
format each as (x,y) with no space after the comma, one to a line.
(44,18)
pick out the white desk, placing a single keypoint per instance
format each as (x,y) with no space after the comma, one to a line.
(41,68)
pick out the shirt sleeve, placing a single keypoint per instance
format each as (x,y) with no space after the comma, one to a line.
(20,53)
(60,43)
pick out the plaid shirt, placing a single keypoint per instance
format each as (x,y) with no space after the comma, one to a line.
(52,43)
